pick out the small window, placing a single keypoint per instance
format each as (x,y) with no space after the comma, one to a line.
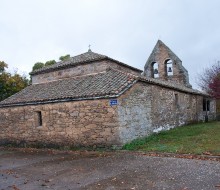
(176,100)
(206,105)
(39,119)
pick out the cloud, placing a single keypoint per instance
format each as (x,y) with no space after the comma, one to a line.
(126,30)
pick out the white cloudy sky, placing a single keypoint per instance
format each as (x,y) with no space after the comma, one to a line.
(126,30)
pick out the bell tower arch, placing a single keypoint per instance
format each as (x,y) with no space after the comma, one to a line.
(169,66)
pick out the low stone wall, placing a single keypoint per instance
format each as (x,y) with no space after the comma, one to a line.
(81,123)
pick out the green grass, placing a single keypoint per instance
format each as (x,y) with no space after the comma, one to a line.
(194,139)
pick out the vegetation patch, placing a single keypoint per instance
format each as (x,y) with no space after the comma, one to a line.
(203,138)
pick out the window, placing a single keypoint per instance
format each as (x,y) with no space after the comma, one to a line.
(206,105)
(155,71)
(169,67)
(39,119)
(176,100)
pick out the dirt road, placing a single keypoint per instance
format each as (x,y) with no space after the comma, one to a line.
(36,170)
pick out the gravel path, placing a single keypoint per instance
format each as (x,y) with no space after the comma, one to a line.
(33,170)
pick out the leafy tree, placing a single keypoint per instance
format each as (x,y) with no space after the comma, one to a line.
(11,83)
(64,57)
(51,62)
(40,65)
(37,65)
(3,65)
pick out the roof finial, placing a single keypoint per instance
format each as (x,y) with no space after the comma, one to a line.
(89,48)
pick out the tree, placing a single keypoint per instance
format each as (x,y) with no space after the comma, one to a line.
(64,57)
(214,87)
(209,80)
(3,65)
(51,62)
(10,83)
(37,65)
(40,65)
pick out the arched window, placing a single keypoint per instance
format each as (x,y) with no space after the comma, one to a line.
(169,67)
(155,71)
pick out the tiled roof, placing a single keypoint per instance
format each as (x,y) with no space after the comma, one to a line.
(111,83)
(79,59)
(102,85)
(175,86)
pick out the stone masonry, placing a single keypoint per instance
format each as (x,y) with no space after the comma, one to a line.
(79,70)
(93,100)
(161,54)
(80,123)
(142,110)
(145,109)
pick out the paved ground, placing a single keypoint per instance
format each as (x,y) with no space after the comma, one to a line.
(105,171)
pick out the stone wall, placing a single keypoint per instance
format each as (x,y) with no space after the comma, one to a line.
(81,123)
(172,108)
(147,108)
(134,113)
(141,110)
(80,70)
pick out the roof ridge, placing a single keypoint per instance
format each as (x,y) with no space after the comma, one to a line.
(89,52)
(86,57)
(71,59)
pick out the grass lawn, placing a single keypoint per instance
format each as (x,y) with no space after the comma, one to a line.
(203,138)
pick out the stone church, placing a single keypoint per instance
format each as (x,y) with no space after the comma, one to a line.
(94,100)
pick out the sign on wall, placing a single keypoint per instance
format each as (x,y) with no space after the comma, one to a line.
(113,102)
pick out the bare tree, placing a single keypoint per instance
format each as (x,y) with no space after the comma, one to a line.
(209,80)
